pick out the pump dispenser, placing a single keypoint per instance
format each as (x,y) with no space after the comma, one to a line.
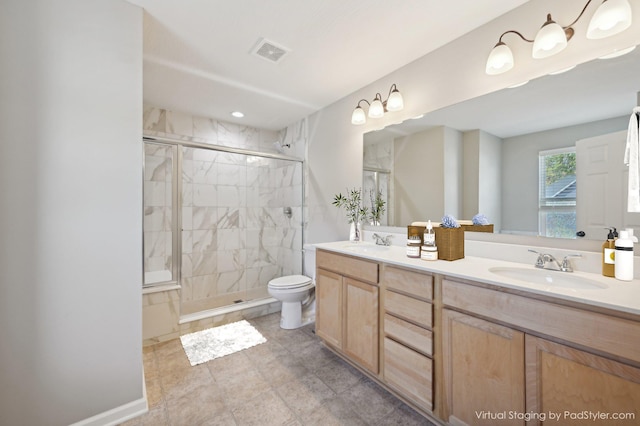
(608,254)
(429,235)
(624,257)
(429,249)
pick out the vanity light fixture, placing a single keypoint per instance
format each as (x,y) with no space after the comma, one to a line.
(611,17)
(378,107)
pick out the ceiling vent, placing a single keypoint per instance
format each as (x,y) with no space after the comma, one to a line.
(269,50)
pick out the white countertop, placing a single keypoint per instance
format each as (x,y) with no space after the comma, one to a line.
(618,295)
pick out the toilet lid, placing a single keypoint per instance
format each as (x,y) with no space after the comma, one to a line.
(290,281)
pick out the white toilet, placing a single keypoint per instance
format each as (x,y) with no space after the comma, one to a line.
(296,292)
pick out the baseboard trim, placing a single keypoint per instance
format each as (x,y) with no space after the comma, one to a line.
(119,414)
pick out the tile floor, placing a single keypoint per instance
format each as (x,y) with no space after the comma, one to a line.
(289,380)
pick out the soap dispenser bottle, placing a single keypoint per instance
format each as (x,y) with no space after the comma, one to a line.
(429,249)
(429,235)
(624,257)
(608,254)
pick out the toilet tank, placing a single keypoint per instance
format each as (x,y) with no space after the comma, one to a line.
(309,264)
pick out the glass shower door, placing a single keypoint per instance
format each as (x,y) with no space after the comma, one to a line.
(241,226)
(160,203)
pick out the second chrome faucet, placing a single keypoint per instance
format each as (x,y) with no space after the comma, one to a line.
(382,241)
(547,261)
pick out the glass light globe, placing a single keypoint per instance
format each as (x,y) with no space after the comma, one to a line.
(500,59)
(612,17)
(395,101)
(376,110)
(550,40)
(358,116)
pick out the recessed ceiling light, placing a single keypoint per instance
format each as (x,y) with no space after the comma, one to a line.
(237,114)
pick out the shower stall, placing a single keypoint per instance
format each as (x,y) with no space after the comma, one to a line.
(220,222)
(377,183)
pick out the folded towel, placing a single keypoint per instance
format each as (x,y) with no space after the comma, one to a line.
(632,159)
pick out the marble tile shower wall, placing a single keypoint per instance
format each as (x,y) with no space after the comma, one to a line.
(235,235)
(177,125)
(157,208)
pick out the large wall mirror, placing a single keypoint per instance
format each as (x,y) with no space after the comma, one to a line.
(509,155)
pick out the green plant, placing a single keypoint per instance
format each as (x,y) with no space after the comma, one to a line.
(377,207)
(352,203)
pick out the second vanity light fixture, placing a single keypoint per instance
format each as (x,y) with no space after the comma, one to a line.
(611,17)
(378,107)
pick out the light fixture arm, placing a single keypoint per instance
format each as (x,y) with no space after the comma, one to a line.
(515,32)
(579,16)
(391,90)
(568,29)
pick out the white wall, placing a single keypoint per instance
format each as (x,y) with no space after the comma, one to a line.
(453,172)
(471,155)
(490,179)
(419,161)
(70,210)
(482,176)
(448,75)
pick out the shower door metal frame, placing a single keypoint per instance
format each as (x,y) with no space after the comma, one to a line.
(177,194)
(176,243)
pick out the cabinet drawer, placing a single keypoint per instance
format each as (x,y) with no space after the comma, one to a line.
(409,372)
(413,283)
(409,334)
(408,308)
(348,266)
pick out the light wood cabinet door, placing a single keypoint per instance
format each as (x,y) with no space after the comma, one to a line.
(483,367)
(575,384)
(361,323)
(329,310)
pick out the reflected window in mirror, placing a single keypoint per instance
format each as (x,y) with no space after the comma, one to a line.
(557,193)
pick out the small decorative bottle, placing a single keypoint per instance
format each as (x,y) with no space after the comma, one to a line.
(429,249)
(413,246)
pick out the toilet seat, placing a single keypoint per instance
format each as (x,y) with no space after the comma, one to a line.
(289,282)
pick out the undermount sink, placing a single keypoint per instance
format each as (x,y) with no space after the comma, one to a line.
(549,278)
(366,247)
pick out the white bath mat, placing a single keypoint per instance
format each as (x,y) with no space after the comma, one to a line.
(212,343)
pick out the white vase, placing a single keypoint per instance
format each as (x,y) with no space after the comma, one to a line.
(355,232)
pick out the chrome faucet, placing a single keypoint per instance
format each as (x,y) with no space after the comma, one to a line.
(547,261)
(382,241)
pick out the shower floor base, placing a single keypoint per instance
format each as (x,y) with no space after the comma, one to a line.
(216,301)
(249,309)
